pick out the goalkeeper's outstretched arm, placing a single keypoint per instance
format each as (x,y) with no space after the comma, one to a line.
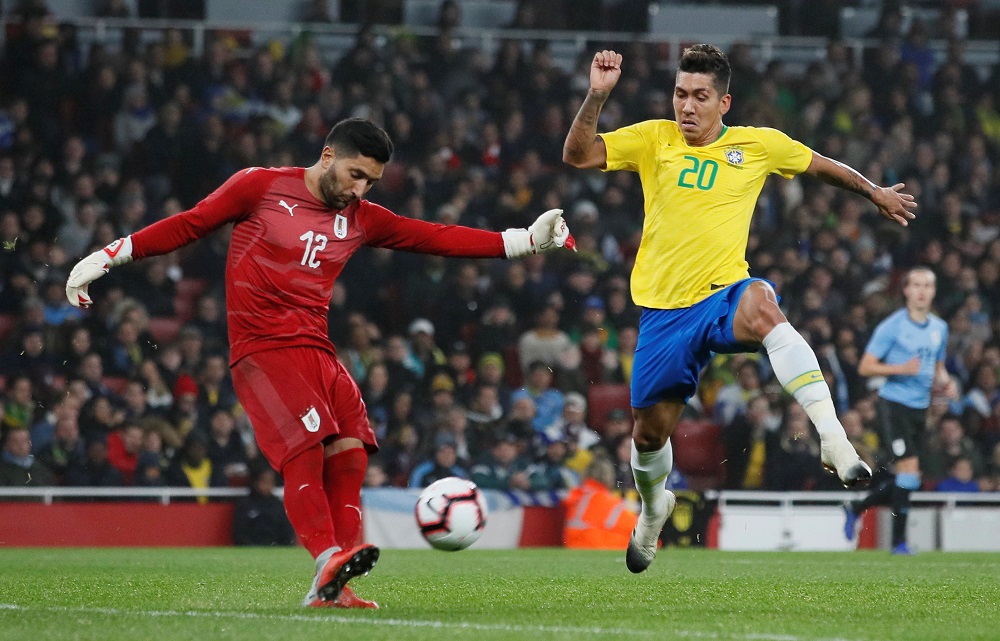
(230,202)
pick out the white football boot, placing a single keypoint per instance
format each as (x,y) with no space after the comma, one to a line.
(642,544)
(840,457)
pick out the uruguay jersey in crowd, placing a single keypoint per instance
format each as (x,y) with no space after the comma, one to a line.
(899,338)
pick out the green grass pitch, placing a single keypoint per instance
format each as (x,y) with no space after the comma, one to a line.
(240,594)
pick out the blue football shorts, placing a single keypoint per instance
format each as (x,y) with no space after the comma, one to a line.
(675,344)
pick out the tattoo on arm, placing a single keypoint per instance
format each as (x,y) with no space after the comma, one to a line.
(583,132)
(845,177)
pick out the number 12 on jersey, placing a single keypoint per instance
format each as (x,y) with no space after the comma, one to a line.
(314,243)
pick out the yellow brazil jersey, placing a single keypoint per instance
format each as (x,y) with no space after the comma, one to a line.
(698,202)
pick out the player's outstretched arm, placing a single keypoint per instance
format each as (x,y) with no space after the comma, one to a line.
(892,203)
(93,267)
(548,231)
(583,147)
(385,229)
(231,201)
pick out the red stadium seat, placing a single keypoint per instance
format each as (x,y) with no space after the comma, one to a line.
(604,397)
(7,324)
(699,453)
(188,291)
(116,383)
(164,330)
(512,367)
(191,287)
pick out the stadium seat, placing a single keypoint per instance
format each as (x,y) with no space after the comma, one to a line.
(164,330)
(699,454)
(474,13)
(188,291)
(191,287)
(604,397)
(512,367)
(7,324)
(115,383)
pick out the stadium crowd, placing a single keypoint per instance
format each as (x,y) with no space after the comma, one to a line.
(475,369)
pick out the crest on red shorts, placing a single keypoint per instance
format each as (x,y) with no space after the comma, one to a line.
(311,420)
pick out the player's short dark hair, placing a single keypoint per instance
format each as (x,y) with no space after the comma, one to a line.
(708,59)
(359,136)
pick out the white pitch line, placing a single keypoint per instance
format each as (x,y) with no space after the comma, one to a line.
(407,623)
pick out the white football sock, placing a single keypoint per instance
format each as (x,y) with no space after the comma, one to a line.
(797,369)
(650,471)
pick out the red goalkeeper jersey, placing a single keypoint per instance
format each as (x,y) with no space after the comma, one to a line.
(288,248)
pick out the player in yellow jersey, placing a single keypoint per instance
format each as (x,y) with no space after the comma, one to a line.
(700,180)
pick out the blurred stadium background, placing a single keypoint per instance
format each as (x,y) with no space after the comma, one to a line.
(114,114)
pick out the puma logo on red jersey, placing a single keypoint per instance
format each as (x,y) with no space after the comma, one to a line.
(290,208)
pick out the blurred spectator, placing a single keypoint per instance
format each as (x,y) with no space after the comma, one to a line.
(960,478)
(617,423)
(215,390)
(18,468)
(44,429)
(93,470)
(947,444)
(424,349)
(747,441)
(792,460)
(158,395)
(544,342)
(550,471)
(595,517)
(731,401)
(548,401)
(490,371)
(192,468)
(65,448)
(579,437)
(485,419)
(225,448)
(210,320)
(124,446)
(19,406)
(184,413)
(400,453)
(375,474)
(152,463)
(259,519)
(505,469)
(442,463)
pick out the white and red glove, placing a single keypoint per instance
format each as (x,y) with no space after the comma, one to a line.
(93,267)
(550,230)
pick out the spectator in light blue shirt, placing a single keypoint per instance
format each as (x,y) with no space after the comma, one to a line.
(548,401)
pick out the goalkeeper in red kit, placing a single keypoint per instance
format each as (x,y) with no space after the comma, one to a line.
(294,228)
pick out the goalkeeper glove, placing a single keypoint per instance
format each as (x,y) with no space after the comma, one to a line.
(550,230)
(93,267)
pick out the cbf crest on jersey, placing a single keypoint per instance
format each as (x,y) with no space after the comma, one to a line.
(936,338)
(734,156)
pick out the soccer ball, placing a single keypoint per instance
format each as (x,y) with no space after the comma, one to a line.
(451,513)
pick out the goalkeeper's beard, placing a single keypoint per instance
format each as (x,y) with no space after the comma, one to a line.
(333,200)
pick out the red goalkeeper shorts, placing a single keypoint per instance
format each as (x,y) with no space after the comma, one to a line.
(297,397)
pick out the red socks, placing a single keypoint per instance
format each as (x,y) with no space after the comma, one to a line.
(305,502)
(343,476)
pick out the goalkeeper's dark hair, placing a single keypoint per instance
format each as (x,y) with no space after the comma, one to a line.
(359,136)
(708,59)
